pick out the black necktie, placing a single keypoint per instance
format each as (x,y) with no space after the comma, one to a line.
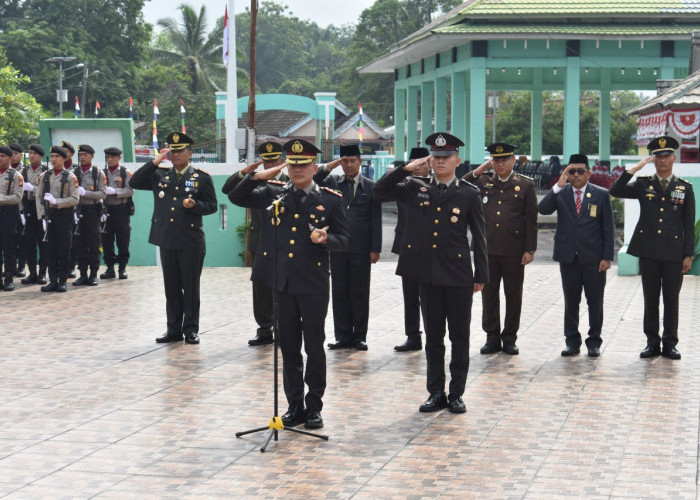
(349,191)
(442,188)
(299,196)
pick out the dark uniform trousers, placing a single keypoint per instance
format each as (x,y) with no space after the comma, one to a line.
(119,230)
(86,244)
(8,238)
(454,304)
(262,307)
(181,272)
(657,276)
(512,272)
(411,305)
(350,275)
(303,316)
(31,239)
(574,276)
(58,246)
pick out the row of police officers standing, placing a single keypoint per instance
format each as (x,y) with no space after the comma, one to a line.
(52,214)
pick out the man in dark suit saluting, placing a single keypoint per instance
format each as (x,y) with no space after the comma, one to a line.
(583,246)
(664,240)
(350,270)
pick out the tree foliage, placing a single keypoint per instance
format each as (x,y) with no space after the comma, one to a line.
(19,111)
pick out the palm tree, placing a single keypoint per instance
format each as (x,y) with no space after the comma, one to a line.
(190,45)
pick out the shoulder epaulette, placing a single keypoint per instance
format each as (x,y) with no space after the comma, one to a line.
(275,181)
(526,177)
(681,179)
(202,170)
(469,184)
(332,191)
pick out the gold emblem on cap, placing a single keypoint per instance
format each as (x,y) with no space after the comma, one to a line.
(268,147)
(440,141)
(176,138)
(297,147)
(662,142)
(499,149)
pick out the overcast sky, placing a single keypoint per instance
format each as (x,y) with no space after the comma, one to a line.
(323,12)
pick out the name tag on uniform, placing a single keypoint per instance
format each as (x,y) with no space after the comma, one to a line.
(593,210)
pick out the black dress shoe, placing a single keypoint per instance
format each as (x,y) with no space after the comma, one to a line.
(571,351)
(168,337)
(490,348)
(671,353)
(191,338)
(29,280)
(71,274)
(511,349)
(262,339)
(435,402)
(9,286)
(83,280)
(650,352)
(51,287)
(108,274)
(456,405)
(339,345)
(61,287)
(313,420)
(295,415)
(92,281)
(122,274)
(41,279)
(19,273)
(413,343)
(593,352)
(361,345)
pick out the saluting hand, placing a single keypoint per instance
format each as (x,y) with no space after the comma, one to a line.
(163,153)
(564,175)
(643,162)
(413,165)
(251,168)
(483,167)
(269,173)
(333,164)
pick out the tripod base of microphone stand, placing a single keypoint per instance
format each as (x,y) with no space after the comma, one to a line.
(274,427)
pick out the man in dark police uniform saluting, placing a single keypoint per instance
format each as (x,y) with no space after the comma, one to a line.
(664,240)
(182,195)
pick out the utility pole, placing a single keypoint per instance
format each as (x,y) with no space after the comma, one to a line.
(250,153)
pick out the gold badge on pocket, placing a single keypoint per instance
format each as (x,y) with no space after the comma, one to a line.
(593,210)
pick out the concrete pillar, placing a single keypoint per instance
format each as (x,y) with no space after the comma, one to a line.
(572,90)
(604,116)
(441,88)
(412,118)
(536,116)
(458,112)
(426,110)
(399,123)
(477,110)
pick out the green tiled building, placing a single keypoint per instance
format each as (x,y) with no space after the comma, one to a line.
(535,45)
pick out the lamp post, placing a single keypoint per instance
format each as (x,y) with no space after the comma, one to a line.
(61,95)
(83,84)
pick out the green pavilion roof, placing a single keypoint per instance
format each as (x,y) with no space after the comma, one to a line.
(570,29)
(500,8)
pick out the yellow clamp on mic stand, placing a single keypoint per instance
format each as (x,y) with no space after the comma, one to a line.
(276,424)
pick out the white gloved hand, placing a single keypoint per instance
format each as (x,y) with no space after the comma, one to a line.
(81,190)
(44,224)
(23,219)
(28,187)
(75,217)
(49,197)
(111,190)
(103,218)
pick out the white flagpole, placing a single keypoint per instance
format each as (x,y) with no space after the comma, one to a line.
(231,89)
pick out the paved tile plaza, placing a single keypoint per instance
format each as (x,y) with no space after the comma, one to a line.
(90,406)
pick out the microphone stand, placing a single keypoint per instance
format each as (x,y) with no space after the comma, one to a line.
(275,425)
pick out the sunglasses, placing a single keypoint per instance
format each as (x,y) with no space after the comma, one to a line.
(577,171)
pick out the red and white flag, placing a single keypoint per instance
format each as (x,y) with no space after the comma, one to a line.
(225,46)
